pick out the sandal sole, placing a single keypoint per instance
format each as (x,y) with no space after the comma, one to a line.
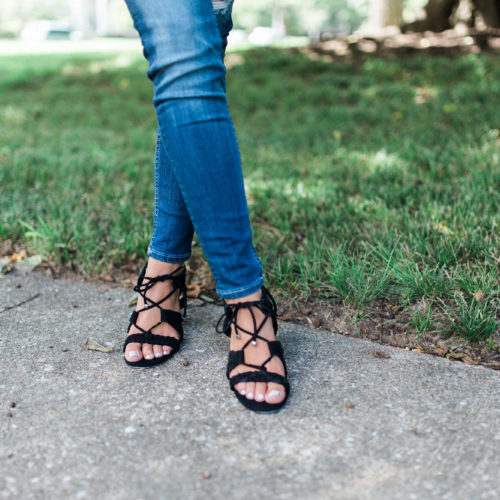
(147,363)
(260,406)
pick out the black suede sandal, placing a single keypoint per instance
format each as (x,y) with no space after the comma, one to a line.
(173,318)
(267,305)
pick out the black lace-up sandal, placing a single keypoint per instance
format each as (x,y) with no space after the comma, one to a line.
(267,305)
(173,318)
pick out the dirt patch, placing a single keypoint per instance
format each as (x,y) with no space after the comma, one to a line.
(388,324)
(447,43)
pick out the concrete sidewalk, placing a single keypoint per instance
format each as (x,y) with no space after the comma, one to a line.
(85,425)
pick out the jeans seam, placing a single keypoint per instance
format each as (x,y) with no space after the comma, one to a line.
(155,191)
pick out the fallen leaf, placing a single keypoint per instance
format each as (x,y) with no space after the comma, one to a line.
(286,316)
(105,277)
(455,355)
(439,351)
(34,260)
(206,298)
(492,364)
(479,296)
(15,257)
(469,361)
(418,349)
(306,310)
(193,290)
(92,345)
(381,354)
(133,300)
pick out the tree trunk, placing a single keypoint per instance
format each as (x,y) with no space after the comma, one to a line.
(80,15)
(489,10)
(384,13)
(101,17)
(438,15)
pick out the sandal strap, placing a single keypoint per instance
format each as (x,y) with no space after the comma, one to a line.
(267,306)
(259,376)
(178,280)
(151,338)
(173,318)
(236,358)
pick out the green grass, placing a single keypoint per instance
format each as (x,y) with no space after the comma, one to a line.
(379,180)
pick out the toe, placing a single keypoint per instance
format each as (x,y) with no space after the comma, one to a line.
(147,351)
(166,350)
(158,351)
(260,391)
(241,388)
(250,390)
(133,352)
(275,393)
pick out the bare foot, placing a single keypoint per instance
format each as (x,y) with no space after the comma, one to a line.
(270,392)
(146,319)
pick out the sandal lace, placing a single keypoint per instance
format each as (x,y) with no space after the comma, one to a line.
(143,287)
(267,305)
(179,283)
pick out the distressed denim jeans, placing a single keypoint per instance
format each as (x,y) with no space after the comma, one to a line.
(198,176)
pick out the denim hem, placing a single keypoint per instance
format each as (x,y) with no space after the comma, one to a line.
(241,292)
(171,259)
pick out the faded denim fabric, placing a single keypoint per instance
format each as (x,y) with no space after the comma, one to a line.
(198,176)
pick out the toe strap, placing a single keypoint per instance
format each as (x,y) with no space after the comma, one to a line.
(151,338)
(238,357)
(260,376)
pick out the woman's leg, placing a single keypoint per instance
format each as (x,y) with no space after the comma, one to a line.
(183,47)
(170,246)
(172,227)
(172,231)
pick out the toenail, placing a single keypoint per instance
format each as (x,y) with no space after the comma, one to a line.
(275,393)
(260,397)
(158,354)
(250,395)
(149,356)
(133,355)
(243,392)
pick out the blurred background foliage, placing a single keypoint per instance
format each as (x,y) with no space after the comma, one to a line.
(286,17)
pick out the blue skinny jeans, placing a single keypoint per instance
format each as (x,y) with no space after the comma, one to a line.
(198,176)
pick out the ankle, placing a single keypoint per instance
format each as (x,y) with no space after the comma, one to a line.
(157,267)
(253,297)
